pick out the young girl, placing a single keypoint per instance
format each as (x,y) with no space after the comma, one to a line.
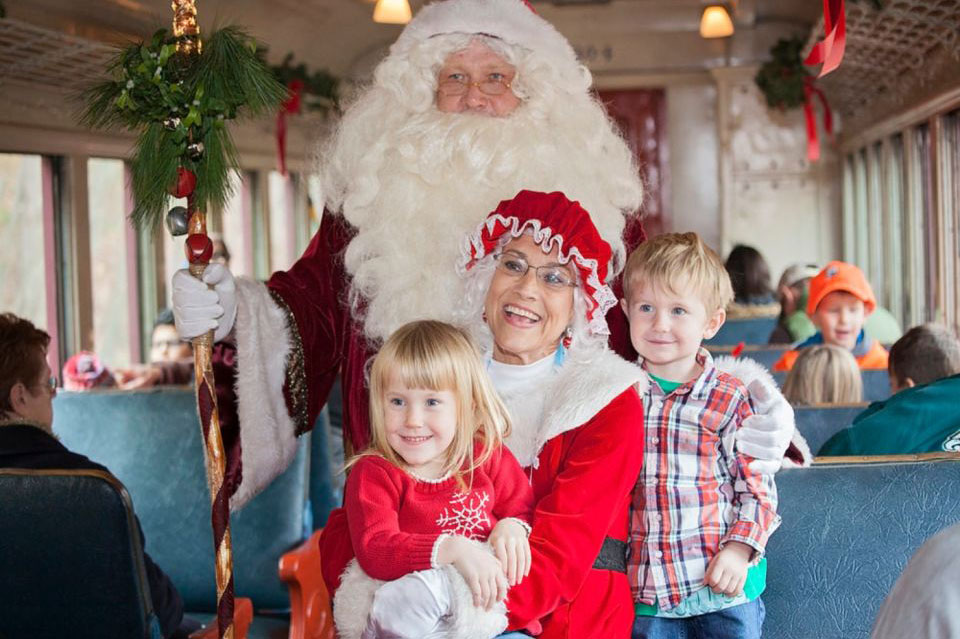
(434,484)
(824,374)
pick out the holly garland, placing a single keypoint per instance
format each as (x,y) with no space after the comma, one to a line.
(319,88)
(782,79)
(180,104)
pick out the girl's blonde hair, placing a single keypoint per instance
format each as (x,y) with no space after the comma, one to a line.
(438,356)
(824,374)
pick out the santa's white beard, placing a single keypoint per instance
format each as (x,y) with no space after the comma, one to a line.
(423,185)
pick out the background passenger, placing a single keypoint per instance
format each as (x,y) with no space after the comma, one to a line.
(84,371)
(824,374)
(840,300)
(793,290)
(27,390)
(924,603)
(750,276)
(924,414)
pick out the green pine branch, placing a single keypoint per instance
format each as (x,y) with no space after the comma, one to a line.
(180,105)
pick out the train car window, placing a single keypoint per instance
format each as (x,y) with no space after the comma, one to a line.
(115,310)
(948,198)
(22,263)
(174,258)
(281,218)
(314,202)
(236,227)
(893,245)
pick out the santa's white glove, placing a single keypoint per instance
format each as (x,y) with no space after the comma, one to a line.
(766,434)
(197,308)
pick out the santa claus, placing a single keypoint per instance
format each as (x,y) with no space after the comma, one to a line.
(477,100)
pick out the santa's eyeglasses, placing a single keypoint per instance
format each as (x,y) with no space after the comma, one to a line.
(457,84)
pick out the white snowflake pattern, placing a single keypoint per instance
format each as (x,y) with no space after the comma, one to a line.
(466,515)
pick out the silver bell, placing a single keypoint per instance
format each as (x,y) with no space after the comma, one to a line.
(178,221)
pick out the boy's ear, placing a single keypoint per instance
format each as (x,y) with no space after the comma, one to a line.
(623,306)
(714,323)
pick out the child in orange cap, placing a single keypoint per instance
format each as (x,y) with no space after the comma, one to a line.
(839,303)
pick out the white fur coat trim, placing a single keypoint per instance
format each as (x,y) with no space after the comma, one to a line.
(353,602)
(745,369)
(582,387)
(267,433)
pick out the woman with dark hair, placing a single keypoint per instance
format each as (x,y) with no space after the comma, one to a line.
(27,389)
(750,276)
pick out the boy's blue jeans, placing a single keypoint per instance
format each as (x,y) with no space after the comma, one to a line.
(740,622)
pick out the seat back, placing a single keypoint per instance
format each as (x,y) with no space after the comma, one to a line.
(753,330)
(766,356)
(848,530)
(323,492)
(817,424)
(876,384)
(70,557)
(151,441)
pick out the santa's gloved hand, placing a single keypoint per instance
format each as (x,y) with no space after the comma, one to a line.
(197,308)
(766,434)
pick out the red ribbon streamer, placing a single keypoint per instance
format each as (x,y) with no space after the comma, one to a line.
(291,105)
(829,51)
(813,138)
(736,352)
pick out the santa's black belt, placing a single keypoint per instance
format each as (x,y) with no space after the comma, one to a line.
(613,556)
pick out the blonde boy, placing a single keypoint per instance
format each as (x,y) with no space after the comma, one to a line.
(700,516)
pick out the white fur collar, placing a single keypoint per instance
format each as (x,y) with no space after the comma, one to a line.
(585,384)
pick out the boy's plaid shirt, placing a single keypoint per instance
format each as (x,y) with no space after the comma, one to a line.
(695,492)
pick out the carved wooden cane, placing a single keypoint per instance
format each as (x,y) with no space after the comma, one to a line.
(199,249)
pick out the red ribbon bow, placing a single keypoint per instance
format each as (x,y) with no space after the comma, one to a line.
(813,138)
(291,105)
(829,51)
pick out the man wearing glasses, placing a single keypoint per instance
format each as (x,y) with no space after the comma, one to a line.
(27,389)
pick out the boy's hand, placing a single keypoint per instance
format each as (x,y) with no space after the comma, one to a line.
(480,569)
(509,541)
(727,571)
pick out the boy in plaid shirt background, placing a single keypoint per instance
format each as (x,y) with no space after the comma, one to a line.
(700,516)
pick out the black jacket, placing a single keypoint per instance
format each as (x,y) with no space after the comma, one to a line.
(29,447)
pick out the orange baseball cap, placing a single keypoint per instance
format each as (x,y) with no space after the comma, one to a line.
(840,276)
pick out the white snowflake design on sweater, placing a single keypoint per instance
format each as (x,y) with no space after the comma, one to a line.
(466,515)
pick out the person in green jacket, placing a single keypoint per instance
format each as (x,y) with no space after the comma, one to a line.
(923,416)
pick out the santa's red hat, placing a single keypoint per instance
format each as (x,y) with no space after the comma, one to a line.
(513,21)
(554,221)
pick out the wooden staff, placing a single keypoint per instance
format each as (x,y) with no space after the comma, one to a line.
(199,249)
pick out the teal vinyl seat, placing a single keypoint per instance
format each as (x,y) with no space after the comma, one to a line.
(753,330)
(876,384)
(849,526)
(151,441)
(817,424)
(53,586)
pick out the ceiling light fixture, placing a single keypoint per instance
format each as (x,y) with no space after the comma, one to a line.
(392,12)
(715,22)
